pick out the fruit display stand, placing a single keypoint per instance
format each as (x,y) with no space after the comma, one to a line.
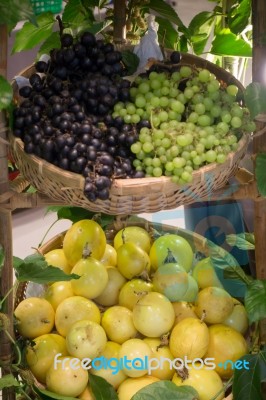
(12,196)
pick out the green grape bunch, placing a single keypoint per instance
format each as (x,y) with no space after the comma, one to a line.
(194,120)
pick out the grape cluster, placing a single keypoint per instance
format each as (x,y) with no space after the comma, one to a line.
(195,120)
(65,117)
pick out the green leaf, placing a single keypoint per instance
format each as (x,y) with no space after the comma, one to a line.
(164,10)
(241,241)
(34,268)
(31,189)
(200,29)
(221,259)
(75,14)
(227,43)
(6,93)
(131,61)
(52,42)
(75,214)
(101,389)
(31,35)
(98,27)
(167,35)
(47,395)
(166,390)
(260,173)
(255,300)
(2,258)
(8,381)
(14,11)
(90,3)
(262,355)
(247,382)
(239,17)
(255,98)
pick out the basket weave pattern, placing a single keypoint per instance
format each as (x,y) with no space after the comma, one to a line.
(130,196)
(127,196)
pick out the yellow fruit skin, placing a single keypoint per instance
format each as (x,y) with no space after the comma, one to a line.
(66,380)
(137,350)
(153,315)
(189,338)
(84,233)
(57,292)
(214,305)
(132,291)
(183,309)
(110,294)
(132,260)
(109,257)
(87,394)
(225,343)
(160,352)
(93,278)
(238,319)
(35,317)
(179,247)
(130,386)
(41,356)
(75,309)
(85,339)
(118,324)
(206,382)
(114,377)
(57,258)
(205,274)
(134,234)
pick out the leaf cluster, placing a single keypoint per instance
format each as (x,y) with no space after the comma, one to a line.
(247,382)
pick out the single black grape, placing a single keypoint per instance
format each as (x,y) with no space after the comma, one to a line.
(19,122)
(28,147)
(79,50)
(35,80)
(39,100)
(88,39)
(108,47)
(91,154)
(25,91)
(175,57)
(106,159)
(66,40)
(138,174)
(41,66)
(105,170)
(89,187)
(60,72)
(103,194)
(68,55)
(103,109)
(64,163)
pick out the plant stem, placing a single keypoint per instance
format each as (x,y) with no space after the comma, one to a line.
(16,347)
(48,230)
(6,296)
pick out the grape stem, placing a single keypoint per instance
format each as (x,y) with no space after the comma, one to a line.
(61,26)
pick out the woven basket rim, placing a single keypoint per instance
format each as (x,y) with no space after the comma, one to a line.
(118,185)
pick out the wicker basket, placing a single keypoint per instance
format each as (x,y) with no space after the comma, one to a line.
(197,242)
(131,196)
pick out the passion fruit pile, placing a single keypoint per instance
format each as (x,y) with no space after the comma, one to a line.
(137,298)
